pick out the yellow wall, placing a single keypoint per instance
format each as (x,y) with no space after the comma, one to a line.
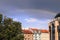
(44,36)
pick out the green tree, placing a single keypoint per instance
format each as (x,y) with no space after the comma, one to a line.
(1,18)
(11,30)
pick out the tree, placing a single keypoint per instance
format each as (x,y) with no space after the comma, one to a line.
(10,30)
(0,18)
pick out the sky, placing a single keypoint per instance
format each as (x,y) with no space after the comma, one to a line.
(31,13)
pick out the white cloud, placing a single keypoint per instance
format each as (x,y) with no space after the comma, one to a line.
(36,20)
(31,20)
(37,23)
(44,21)
(25,28)
(15,19)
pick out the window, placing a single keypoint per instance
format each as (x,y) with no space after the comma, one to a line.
(28,35)
(58,32)
(53,32)
(35,39)
(28,38)
(50,32)
(25,39)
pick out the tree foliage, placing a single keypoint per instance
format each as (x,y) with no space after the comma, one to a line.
(10,30)
(0,18)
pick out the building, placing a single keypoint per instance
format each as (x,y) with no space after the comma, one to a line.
(40,34)
(36,33)
(44,34)
(54,28)
(28,35)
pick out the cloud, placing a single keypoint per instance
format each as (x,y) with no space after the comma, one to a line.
(52,5)
(40,14)
(33,8)
(25,28)
(36,23)
(31,20)
(38,11)
(34,20)
(15,19)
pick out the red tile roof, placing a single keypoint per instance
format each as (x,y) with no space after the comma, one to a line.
(44,31)
(27,32)
(34,29)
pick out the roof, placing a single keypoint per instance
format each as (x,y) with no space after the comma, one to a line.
(58,15)
(44,31)
(27,32)
(31,30)
(34,29)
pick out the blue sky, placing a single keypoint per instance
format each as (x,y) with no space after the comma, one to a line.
(31,13)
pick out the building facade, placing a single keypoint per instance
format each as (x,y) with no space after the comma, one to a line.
(28,35)
(54,29)
(36,33)
(44,35)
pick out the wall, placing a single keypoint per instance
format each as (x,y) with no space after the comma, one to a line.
(28,36)
(44,36)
